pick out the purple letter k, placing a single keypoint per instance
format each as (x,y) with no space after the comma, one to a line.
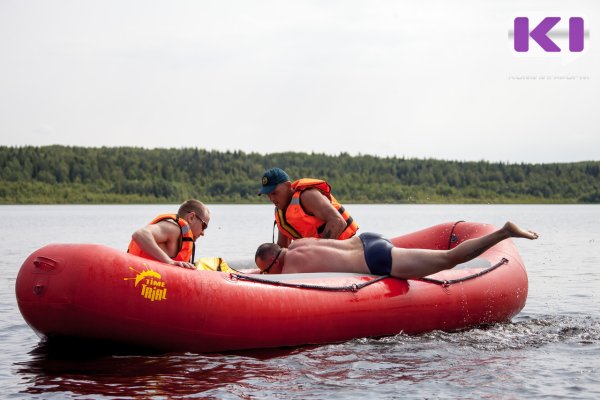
(539,34)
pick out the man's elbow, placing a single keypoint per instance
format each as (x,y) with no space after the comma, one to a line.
(138,236)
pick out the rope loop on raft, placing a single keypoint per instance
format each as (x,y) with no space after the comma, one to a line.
(453,237)
(446,283)
(348,288)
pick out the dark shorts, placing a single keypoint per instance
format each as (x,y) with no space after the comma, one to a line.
(378,253)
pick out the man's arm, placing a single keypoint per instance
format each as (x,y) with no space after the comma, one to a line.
(282,240)
(154,239)
(318,205)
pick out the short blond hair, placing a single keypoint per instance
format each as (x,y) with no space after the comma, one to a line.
(193,205)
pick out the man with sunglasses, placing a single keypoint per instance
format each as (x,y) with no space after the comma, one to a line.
(371,253)
(170,238)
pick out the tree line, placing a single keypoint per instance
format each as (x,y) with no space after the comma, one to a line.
(69,175)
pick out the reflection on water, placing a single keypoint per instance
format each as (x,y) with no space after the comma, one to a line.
(111,370)
(477,357)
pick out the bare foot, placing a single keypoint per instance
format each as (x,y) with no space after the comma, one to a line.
(514,231)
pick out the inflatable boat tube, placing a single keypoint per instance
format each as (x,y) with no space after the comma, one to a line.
(94,292)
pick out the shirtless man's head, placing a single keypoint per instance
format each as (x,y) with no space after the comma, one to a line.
(267,258)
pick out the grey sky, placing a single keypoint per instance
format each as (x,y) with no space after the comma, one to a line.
(425,79)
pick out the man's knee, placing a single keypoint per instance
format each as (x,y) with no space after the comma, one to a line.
(448,259)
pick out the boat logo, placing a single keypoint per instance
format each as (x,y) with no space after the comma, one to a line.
(150,284)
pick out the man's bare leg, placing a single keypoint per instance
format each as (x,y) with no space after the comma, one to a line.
(469,249)
(416,263)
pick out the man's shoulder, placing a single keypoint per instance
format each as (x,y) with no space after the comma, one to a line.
(168,225)
(169,221)
(312,193)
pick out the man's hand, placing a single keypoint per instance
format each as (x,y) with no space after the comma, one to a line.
(183,264)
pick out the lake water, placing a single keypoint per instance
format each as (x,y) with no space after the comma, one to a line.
(551,349)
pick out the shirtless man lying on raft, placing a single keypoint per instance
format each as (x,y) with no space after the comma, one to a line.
(374,254)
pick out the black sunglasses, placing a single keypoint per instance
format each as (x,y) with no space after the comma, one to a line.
(266,270)
(204,224)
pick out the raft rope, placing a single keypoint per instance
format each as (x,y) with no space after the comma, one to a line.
(355,288)
(347,288)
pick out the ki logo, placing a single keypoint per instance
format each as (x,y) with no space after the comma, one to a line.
(539,34)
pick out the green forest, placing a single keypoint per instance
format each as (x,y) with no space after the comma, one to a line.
(82,175)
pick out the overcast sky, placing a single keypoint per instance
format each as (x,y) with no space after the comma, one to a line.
(415,79)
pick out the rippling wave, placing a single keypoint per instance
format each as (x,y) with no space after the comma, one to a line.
(374,365)
(525,333)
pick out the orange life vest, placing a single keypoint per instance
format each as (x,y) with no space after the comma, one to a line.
(295,223)
(186,240)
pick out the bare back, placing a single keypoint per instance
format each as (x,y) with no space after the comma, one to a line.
(325,255)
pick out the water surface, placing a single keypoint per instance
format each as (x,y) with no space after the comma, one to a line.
(551,349)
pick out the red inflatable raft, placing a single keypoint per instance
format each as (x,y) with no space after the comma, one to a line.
(98,293)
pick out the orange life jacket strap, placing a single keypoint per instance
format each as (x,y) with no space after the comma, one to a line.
(188,239)
(283,224)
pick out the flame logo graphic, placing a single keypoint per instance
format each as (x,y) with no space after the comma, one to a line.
(153,287)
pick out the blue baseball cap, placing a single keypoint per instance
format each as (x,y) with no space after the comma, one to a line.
(271,178)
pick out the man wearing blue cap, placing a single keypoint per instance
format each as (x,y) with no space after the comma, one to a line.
(305,208)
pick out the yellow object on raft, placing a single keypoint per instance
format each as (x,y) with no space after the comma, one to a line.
(213,264)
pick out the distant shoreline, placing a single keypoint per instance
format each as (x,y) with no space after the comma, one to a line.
(128,175)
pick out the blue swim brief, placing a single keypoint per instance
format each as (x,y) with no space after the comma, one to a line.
(378,253)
